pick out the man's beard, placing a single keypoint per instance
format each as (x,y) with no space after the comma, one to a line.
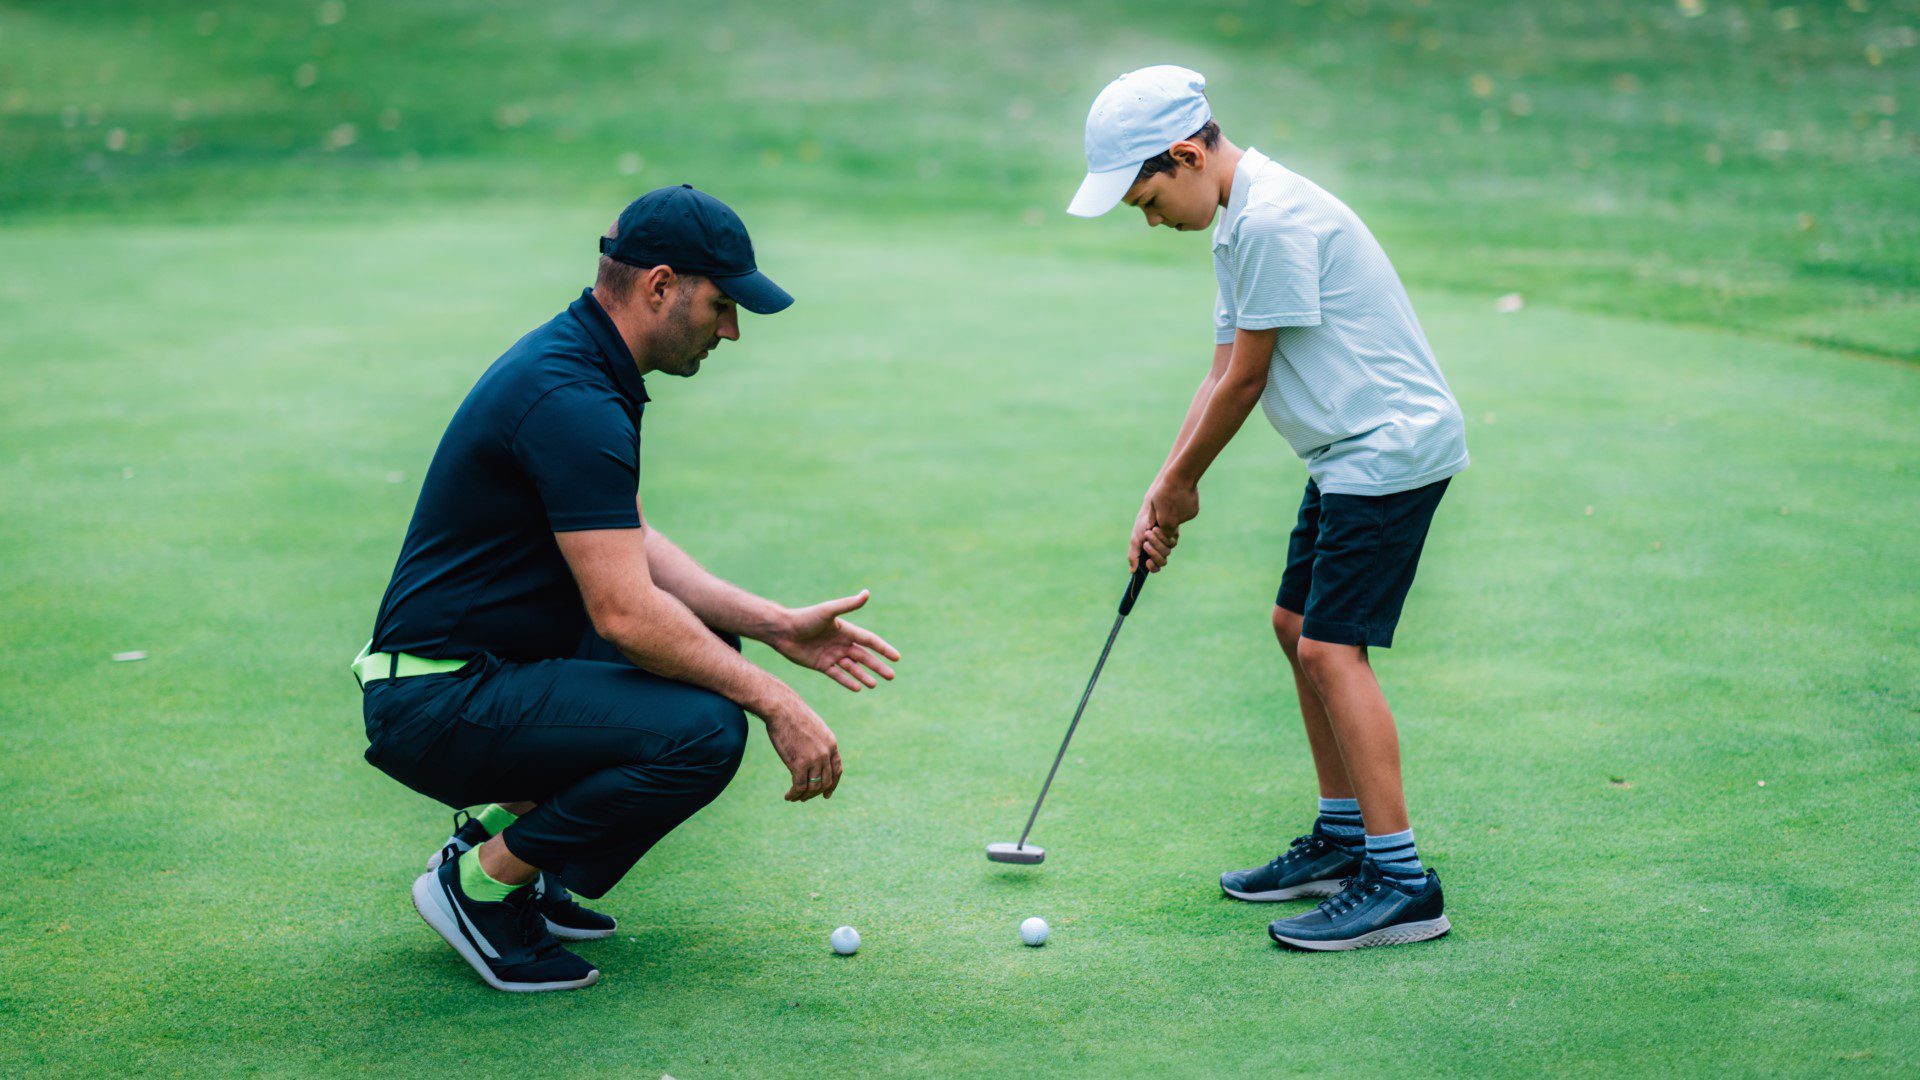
(678,344)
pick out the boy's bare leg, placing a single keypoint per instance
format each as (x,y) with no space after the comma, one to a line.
(1327,763)
(1356,712)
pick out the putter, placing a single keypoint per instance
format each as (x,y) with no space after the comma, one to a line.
(1020,851)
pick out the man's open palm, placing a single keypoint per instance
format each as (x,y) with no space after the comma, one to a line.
(818,638)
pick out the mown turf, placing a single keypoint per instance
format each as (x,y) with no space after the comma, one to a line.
(1680,567)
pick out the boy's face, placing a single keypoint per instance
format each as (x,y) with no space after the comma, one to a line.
(1184,199)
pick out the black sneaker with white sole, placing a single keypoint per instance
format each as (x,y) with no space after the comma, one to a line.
(1313,865)
(506,941)
(566,919)
(1373,909)
(468,833)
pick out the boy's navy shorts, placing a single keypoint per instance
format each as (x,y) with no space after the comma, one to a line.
(1351,561)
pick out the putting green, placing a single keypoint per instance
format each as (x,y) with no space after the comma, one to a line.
(1656,683)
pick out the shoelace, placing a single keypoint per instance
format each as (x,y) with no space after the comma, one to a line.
(1357,888)
(1301,847)
(532,926)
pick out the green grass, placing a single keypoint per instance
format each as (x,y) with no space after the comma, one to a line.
(207,878)
(1681,565)
(1749,166)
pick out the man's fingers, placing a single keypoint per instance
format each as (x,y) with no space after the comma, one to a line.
(872,641)
(878,666)
(839,674)
(850,667)
(845,603)
(833,774)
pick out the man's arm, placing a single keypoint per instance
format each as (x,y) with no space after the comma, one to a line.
(662,635)
(814,637)
(718,603)
(1175,496)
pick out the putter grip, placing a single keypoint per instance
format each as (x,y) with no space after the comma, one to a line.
(1134,586)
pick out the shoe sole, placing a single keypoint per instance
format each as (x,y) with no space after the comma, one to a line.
(569,933)
(1403,934)
(433,910)
(1322,888)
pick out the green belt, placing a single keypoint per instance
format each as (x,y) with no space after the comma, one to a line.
(371,666)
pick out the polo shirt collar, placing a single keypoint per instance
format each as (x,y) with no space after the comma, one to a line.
(613,348)
(1251,161)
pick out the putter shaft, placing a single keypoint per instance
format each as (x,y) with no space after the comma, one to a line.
(1126,606)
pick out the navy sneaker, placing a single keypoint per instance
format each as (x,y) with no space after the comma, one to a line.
(566,919)
(1373,909)
(506,941)
(468,833)
(1313,865)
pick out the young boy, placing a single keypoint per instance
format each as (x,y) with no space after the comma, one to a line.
(1313,324)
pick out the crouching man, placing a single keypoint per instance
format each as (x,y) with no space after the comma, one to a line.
(544,651)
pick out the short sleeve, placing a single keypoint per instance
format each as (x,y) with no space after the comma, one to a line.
(1222,319)
(1275,266)
(581,449)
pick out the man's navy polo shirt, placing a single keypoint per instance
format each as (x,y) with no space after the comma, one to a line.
(547,441)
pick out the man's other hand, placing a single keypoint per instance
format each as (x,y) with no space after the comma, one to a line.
(807,746)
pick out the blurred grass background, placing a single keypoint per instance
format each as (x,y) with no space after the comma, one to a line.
(1734,163)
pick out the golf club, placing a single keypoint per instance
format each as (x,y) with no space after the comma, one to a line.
(1020,852)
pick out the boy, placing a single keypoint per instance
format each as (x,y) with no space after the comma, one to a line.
(1313,324)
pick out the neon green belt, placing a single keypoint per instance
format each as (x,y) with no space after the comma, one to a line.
(371,666)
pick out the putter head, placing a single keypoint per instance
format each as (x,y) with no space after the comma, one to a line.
(1016,853)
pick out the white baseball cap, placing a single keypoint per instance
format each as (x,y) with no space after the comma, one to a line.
(1138,116)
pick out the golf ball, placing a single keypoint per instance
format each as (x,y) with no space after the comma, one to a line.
(1034,931)
(846,941)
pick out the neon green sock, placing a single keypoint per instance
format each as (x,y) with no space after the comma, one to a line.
(478,884)
(495,819)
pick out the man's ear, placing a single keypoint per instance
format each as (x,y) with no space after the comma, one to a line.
(656,284)
(1189,153)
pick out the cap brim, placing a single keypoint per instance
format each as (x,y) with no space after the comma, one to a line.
(1102,191)
(756,292)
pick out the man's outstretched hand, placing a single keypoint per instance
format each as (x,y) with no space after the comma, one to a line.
(817,637)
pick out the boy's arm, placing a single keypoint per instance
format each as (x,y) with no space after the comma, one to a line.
(1174,498)
(1160,543)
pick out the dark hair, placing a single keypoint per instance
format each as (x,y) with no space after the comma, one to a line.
(1208,136)
(616,278)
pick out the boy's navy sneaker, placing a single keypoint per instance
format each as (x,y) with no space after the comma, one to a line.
(468,833)
(1373,909)
(1313,865)
(566,919)
(506,941)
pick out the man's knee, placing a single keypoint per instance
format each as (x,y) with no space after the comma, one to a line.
(1286,627)
(723,741)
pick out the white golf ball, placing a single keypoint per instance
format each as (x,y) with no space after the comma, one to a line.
(846,941)
(1034,931)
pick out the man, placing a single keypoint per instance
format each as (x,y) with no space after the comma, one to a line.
(1312,324)
(542,647)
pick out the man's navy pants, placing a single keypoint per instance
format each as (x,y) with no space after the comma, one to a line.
(615,757)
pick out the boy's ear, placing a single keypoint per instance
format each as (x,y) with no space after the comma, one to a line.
(1189,153)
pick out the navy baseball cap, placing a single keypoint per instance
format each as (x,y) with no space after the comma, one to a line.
(694,233)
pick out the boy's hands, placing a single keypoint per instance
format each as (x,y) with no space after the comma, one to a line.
(1157,527)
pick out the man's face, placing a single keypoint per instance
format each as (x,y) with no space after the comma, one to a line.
(699,316)
(1181,199)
